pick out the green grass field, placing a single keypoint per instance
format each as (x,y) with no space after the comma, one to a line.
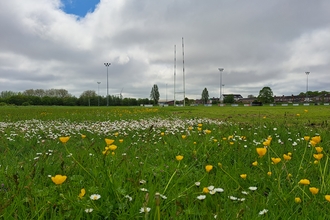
(164,163)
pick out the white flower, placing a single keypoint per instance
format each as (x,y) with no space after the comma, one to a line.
(210,188)
(198,183)
(145,209)
(144,190)
(232,198)
(129,198)
(241,199)
(212,192)
(201,197)
(163,196)
(220,190)
(89,210)
(142,181)
(36,158)
(253,188)
(262,212)
(95,197)
(244,192)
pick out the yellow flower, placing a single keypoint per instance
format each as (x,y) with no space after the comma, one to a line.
(266,143)
(179,158)
(243,176)
(58,179)
(314,190)
(162,133)
(109,141)
(82,193)
(297,200)
(305,110)
(255,163)
(207,131)
(215,140)
(116,134)
(190,128)
(264,117)
(112,147)
(298,115)
(318,149)
(121,140)
(318,156)
(200,125)
(327,197)
(113,153)
(290,154)
(286,157)
(313,143)
(276,160)
(230,137)
(224,138)
(184,136)
(304,182)
(316,139)
(269,173)
(206,190)
(261,151)
(208,168)
(64,139)
(199,128)
(306,138)
(83,136)
(231,142)
(316,162)
(220,165)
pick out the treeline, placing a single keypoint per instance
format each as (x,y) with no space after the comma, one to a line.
(61,97)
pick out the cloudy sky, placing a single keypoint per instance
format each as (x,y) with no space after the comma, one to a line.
(64,44)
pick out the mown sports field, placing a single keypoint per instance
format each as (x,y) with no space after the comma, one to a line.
(267,162)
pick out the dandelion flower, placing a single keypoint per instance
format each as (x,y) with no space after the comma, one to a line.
(58,179)
(95,197)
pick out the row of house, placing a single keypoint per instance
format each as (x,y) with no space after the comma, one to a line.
(323,98)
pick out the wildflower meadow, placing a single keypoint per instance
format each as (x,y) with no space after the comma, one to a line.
(164,163)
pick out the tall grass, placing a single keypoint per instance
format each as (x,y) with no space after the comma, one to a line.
(143,178)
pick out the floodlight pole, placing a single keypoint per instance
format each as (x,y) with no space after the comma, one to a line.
(307,73)
(220,85)
(107,65)
(98,93)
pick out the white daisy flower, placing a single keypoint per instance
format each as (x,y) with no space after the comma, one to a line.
(201,197)
(95,197)
(253,188)
(145,209)
(262,212)
(89,210)
(220,190)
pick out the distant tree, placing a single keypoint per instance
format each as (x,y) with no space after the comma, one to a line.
(229,99)
(154,94)
(86,96)
(266,95)
(205,96)
(251,96)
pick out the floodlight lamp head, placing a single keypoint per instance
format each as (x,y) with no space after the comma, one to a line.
(220,69)
(307,73)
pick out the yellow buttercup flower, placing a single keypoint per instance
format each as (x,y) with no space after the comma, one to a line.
(83,136)
(304,182)
(297,200)
(207,131)
(266,143)
(305,110)
(318,156)
(109,141)
(261,151)
(116,134)
(314,190)
(269,173)
(306,138)
(162,133)
(82,193)
(318,149)
(316,139)
(327,197)
(208,168)
(112,147)
(243,176)
(255,163)
(58,179)
(190,128)
(184,136)
(179,157)
(206,190)
(200,125)
(298,115)
(64,139)
(313,143)
(276,160)
(121,140)
(199,128)
(286,157)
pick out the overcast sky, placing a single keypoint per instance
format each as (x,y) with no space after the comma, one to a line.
(57,44)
